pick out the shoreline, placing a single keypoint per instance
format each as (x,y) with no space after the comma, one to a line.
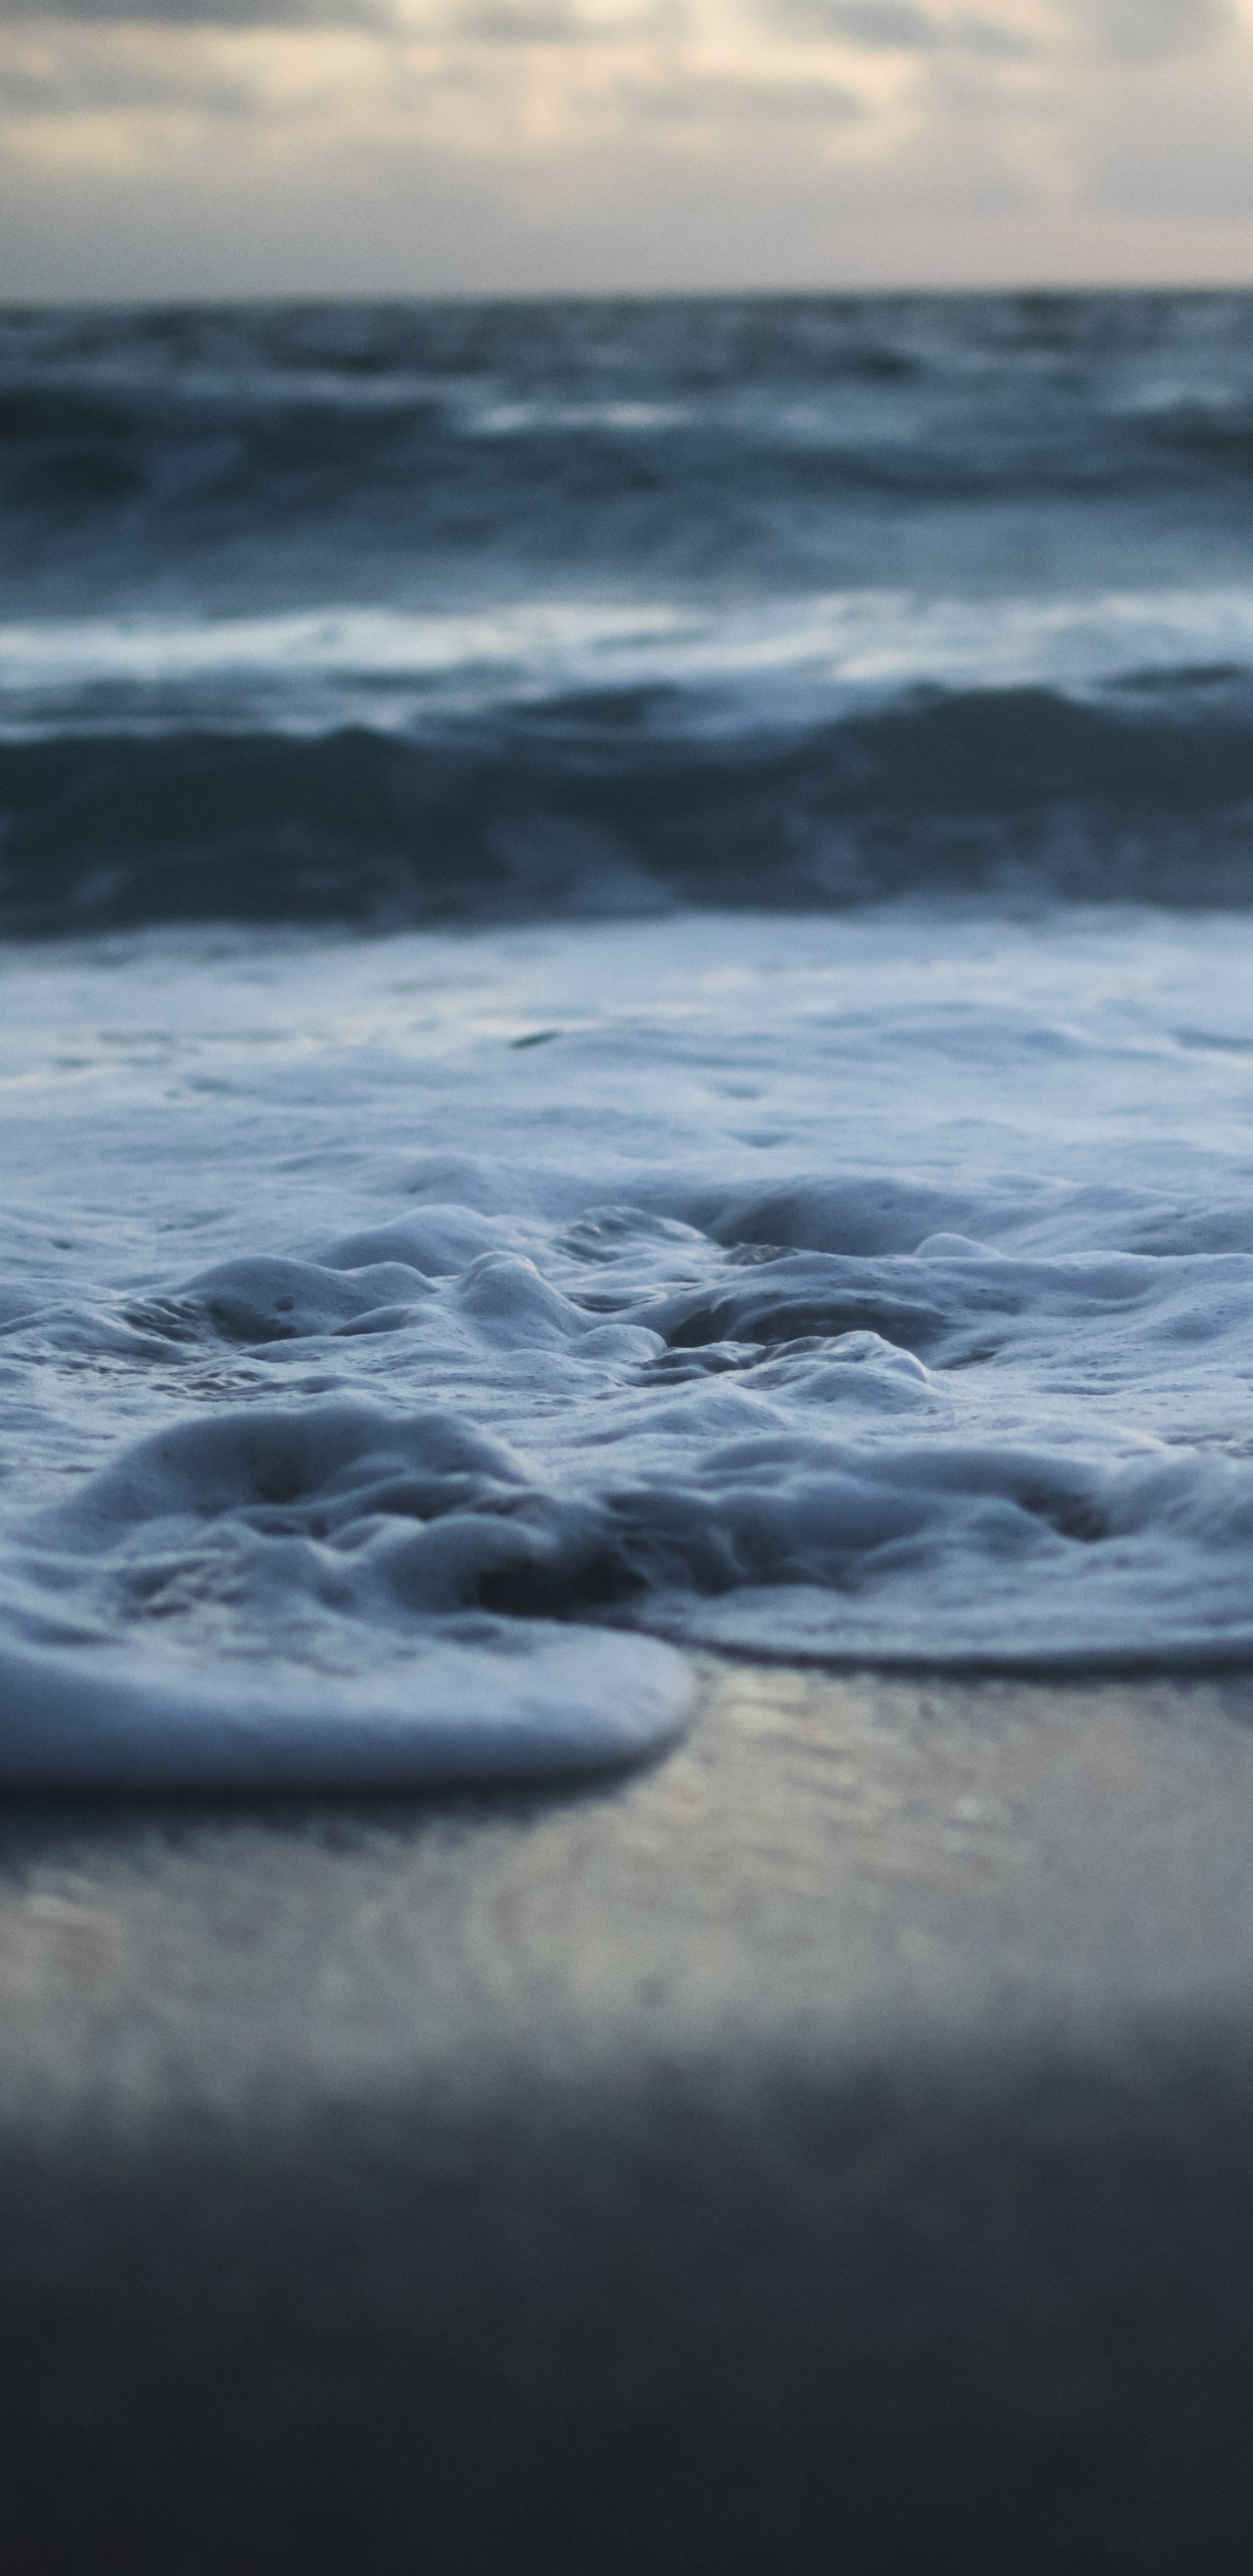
(830,2142)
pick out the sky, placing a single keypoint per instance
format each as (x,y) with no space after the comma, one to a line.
(234,147)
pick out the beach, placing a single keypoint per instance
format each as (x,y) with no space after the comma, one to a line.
(831,2142)
(626,1436)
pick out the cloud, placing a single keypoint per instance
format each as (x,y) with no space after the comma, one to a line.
(527,22)
(119,84)
(520,26)
(721,100)
(883,26)
(1132,31)
(239,14)
(1152,31)
(899,27)
(483,22)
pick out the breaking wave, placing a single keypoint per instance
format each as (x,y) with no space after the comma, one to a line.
(606,805)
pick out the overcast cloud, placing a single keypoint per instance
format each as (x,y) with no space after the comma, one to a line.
(222,146)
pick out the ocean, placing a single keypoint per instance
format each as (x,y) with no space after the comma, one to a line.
(627,967)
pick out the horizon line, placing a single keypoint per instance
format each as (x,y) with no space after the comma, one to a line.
(96,300)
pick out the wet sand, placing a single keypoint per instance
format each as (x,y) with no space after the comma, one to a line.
(831,2148)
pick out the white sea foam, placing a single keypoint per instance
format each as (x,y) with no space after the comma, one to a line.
(394,1333)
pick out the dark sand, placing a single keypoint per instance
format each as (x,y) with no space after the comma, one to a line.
(829,2150)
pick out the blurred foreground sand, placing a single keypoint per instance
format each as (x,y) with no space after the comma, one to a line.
(830,2147)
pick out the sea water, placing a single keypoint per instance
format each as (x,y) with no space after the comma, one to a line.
(627,1015)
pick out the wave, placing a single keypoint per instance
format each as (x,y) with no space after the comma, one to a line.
(759,661)
(712,437)
(600,803)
